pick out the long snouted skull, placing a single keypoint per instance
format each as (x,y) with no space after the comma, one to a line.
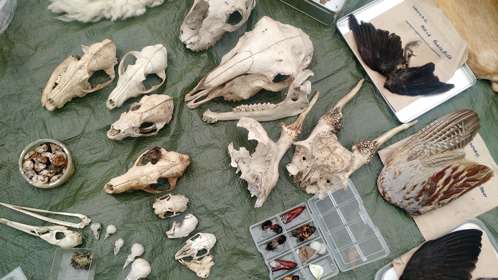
(71,78)
(197,246)
(294,103)
(149,172)
(208,20)
(321,164)
(151,60)
(145,118)
(268,57)
(260,169)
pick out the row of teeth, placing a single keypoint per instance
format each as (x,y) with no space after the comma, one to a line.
(254,107)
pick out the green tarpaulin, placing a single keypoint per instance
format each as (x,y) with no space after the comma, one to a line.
(36,42)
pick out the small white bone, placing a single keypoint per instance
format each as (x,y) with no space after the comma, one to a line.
(140,269)
(96,227)
(137,250)
(183,228)
(110,230)
(117,246)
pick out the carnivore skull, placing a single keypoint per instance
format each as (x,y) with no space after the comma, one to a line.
(208,20)
(149,172)
(145,118)
(150,60)
(70,79)
(170,205)
(268,57)
(197,246)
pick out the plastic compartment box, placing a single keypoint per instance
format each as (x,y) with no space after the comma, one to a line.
(63,270)
(7,8)
(324,11)
(342,225)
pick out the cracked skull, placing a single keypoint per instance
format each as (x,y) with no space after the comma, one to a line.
(268,57)
(150,172)
(169,205)
(208,20)
(151,60)
(71,78)
(145,118)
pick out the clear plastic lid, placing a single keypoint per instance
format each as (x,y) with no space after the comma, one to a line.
(323,11)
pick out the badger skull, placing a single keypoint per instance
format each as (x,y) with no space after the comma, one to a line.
(150,60)
(197,247)
(268,57)
(208,20)
(170,205)
(183,228)
(201,267)
(71,78)
(145,118)
(149,172)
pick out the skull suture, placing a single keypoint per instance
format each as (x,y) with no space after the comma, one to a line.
(145,118)
(149,61)
(71,78)
(321,164)
(197,246)
(208,20)
(149,172)
(268,57)
(169,205)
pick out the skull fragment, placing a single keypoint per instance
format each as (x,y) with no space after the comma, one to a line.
(145,118)
(208,20)
(197,247)
(71,78)
(151,60)
(268,57)
(170,205)
(201,267)
(150,171)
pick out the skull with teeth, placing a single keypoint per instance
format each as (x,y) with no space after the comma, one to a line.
(208,20)
(169,205)
(145,118)
(151,60)
(268,57)
(71,78)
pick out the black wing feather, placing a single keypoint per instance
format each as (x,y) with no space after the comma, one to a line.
(451,257)
(379,49)
(416,81)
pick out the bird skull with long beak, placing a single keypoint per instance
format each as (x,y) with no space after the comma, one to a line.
(268,57)
(260,169)
(208,20)
(149,170)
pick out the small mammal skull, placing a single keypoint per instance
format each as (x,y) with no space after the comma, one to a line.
(145,118)
(146,173)
(197,247)
(71,78)
(169,205)
(201,267)
(150,60)
(183,228)
(208,20)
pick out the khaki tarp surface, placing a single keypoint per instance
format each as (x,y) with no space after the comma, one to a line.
(36,42)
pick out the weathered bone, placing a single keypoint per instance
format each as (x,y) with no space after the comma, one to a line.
(150,60)
(169,205)
(260,169)
(208,20)
(201,267)
(268,57)
(197,246)
(71,78)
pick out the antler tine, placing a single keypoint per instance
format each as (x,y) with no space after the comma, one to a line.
(389,134)
(346,98)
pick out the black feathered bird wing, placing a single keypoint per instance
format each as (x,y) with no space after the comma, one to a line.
(416,81)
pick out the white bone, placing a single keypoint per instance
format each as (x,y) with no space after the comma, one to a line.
(151,166)
(150,60)
(84,220)
(50,234)
(168,205)
(183,228)
(71,78)
(145,118)
(96,227)
(208,20)
(201,242)
(269,57)
(96,10)
(110,230)
(137,250)
(118,244)
(140,269)
(201,267)
(260,169)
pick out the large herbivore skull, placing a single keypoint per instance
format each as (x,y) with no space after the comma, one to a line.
(269,57)
(208,20)
(71,78)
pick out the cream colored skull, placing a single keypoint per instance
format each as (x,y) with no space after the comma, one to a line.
(268,57)
(71,78)
(145,118)
(168,205)
(150,60)
(208,20)
(197,246)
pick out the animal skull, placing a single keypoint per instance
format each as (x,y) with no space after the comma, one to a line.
(208,20)
(149,171)
(268,57)
(260,169)
(169,205)
(140,269)
(183,228)
(145,118)
(151,60)
(71,78)
(201,267)
(197,246)
(321,164)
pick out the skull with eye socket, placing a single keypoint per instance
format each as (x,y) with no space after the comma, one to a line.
(145,118)
(208,20)
(269,57)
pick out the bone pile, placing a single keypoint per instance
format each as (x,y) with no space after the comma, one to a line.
(45,164)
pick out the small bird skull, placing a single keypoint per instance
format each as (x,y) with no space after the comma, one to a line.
(170,205)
